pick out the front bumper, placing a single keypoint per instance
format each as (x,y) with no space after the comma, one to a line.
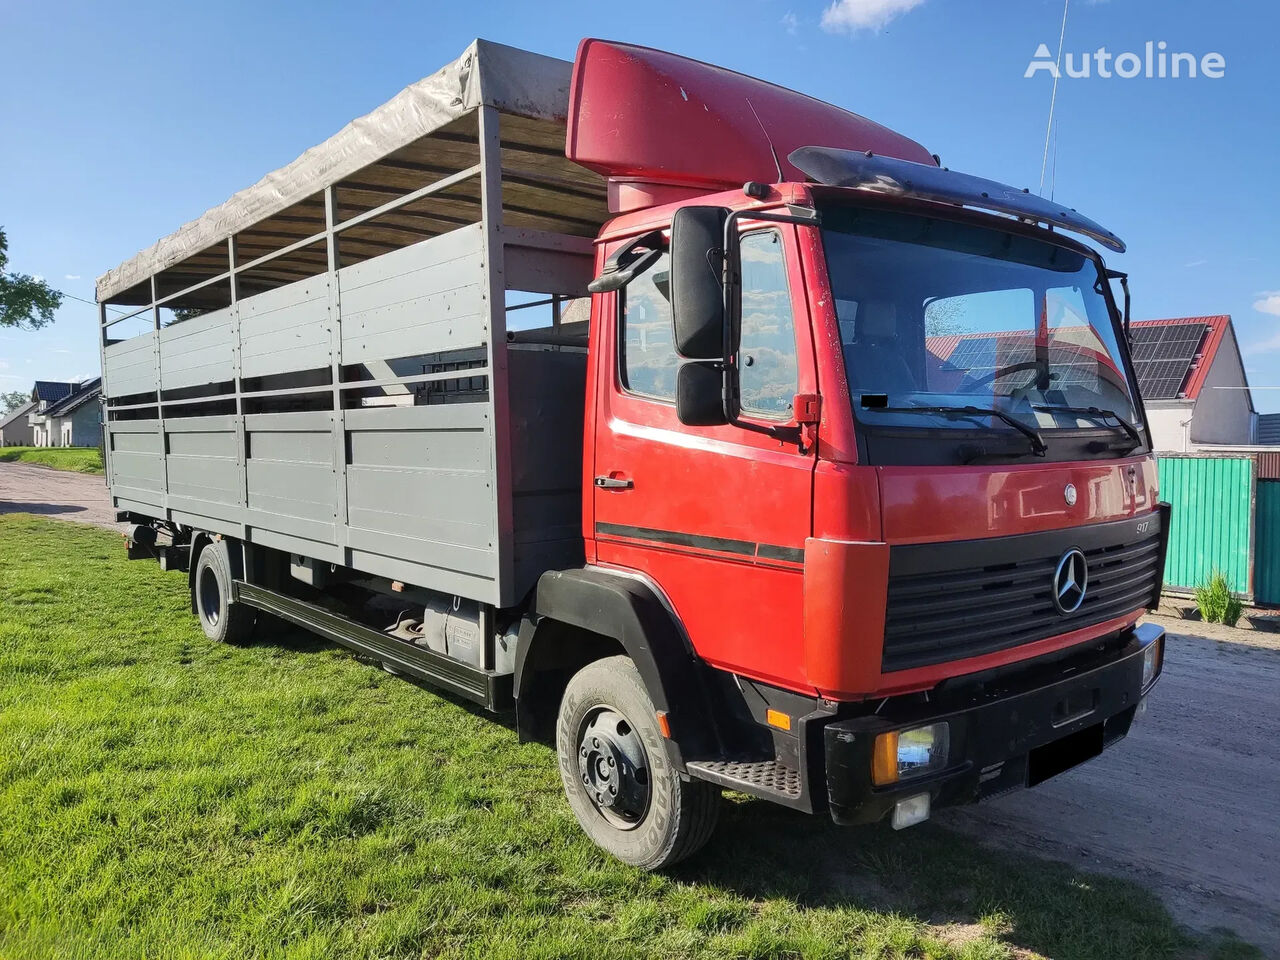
(1002,736)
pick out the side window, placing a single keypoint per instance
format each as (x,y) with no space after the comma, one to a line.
(645,344)
(768,370)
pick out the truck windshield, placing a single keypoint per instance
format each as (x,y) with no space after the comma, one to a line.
(950,316)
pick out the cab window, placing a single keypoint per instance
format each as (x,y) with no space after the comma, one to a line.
(768,370)
(647,351)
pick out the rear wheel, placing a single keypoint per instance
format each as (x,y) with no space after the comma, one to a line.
(221,618)
(623,790)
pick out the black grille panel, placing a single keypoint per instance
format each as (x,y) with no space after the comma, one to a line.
(943,606)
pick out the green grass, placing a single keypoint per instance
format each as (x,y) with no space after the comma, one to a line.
(74,459)
(162,796)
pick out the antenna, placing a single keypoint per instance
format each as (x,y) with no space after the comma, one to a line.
(1053,99)
(776,162)
(1053,177)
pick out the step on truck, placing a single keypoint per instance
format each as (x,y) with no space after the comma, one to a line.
(721,436)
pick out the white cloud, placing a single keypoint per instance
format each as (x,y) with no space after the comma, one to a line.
(1268,302)
(71,276)
(790,23)
(1195,263)
(850,16)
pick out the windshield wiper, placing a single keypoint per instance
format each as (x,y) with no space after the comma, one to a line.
(1038,446)
(1097,413)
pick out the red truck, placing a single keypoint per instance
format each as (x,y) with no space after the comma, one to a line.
(837,491)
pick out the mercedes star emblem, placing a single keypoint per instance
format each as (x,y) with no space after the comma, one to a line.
(1069,494)
(1070,581)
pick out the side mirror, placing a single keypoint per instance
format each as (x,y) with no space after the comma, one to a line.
(700,394)
(697,282)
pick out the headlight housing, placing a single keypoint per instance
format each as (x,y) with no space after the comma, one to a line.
(907,754)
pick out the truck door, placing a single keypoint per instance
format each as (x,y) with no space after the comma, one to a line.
(716,516)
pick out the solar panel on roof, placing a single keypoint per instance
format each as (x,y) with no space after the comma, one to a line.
(1162,357)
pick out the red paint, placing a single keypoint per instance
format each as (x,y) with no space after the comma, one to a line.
(638,115)
(931,504)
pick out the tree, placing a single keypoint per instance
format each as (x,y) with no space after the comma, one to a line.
(25,302)
(12,401)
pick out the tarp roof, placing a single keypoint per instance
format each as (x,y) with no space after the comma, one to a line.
(513,81)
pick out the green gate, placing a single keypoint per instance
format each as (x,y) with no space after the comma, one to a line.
(1212,526)
(1266,569)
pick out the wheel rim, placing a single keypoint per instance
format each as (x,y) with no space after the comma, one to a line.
(614,767)
(210,597)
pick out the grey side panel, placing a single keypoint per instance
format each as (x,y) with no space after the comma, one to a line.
(548,391)
(202,465)
(197,352)
(286,329)
(130,366)
(421,299)
(137,461)
(290,470)
(419,488)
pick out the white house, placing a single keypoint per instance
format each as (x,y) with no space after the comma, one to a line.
(1192,380)
(15,430)
(65,414)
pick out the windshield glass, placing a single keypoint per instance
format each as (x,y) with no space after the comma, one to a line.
(939,314)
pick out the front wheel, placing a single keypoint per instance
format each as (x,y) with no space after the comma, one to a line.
(623,790)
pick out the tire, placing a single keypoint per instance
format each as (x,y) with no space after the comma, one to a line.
(607,735)
(221,619)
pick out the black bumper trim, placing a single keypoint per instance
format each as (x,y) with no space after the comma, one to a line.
(994,732)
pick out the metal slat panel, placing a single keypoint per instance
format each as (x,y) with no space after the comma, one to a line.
(197,351)
(130,366)
(285,330)
(422,299)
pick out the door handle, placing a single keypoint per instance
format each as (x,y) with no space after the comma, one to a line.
(613,483)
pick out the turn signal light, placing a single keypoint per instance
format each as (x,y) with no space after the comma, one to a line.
(776,718)
(884,759)
(902,754)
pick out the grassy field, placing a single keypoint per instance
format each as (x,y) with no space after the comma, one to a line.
(166,797)
(75,459)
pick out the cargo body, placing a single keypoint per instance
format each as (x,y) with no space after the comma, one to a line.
(682,440)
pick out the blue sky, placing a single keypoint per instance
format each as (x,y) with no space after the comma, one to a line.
(121,122)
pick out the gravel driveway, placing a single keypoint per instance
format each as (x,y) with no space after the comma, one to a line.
(27,488)
(1188,805)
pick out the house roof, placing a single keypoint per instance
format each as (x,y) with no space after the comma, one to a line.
(87,391)
(1173,357)
(51,391)
(11,417)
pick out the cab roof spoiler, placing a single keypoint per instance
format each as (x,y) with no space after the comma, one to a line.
(905,178)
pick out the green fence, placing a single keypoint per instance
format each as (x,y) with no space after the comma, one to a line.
(1212,527)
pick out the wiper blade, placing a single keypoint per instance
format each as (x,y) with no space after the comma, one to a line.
(1097,413)
(1038,446)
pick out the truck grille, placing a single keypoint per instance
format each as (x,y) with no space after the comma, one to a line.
(941,608)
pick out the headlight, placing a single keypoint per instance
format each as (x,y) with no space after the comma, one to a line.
(903,754)
(1152,661)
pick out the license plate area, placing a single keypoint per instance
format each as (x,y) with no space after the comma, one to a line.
(1063,754)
